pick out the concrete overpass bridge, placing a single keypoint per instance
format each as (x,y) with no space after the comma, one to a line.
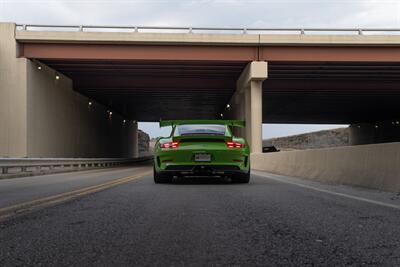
(79,91)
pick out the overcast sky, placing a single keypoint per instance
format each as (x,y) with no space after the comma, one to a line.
(212,13)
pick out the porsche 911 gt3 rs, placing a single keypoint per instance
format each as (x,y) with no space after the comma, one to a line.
(201,148)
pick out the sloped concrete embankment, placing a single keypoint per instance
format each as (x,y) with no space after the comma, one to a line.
(374,166)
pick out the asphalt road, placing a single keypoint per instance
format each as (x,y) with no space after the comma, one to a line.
(17,190)
(273,221)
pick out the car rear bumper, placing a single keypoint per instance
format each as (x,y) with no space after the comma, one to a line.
(203,170)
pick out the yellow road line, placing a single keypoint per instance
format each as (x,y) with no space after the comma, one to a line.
(63,197)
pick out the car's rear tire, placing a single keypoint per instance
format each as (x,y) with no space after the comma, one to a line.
(242,178)
(160,179)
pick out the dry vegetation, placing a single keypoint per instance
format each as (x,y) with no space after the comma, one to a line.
(320,139)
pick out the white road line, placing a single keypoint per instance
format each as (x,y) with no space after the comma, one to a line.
(328,191)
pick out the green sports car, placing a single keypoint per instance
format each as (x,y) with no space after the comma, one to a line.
(201,148)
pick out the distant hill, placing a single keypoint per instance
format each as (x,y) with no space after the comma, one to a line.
(144,140)
(152,143)
(320,139)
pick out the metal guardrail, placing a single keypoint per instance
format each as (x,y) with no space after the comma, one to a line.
(38,163)
(191,30)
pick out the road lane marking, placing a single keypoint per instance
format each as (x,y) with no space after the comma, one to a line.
(66,196)
(88,171)
(329,192)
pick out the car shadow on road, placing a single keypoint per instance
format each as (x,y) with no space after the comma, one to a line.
(201,180)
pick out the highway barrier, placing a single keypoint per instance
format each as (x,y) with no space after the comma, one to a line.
(374,166)
(24,165)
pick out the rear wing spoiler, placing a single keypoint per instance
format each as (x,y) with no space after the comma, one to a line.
(234,123)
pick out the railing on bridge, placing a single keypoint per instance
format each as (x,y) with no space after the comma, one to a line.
(209,30)
(22,165)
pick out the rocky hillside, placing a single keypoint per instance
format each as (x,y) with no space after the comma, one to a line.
(144,140)
(152,143)
(320,139)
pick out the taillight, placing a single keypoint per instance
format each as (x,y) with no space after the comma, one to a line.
(169,145)
(230,144)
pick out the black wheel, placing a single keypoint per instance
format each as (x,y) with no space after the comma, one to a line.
(160,179)
(242,178)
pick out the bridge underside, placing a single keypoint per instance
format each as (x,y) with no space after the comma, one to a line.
(51,78)
(150,90)
(295,92)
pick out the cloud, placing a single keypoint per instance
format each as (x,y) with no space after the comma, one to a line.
(218,13)
(375,14)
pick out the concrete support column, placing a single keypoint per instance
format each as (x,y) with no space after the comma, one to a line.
(253,115)
(373,133)
(236,112)
(13,95)
(135,140)
(361,134)
(248,103)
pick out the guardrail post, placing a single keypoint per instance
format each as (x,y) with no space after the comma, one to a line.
(23,169)
(244,31)
(302,32)
(136,29)
(81,28)
(360,32)
(4,170)
(190,30)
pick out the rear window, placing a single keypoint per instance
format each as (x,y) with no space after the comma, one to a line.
(201,129)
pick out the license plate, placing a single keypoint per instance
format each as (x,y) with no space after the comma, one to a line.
(202,157)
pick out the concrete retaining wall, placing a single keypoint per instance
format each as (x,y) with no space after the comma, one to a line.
(13,94)
(41,116)
(374,166)
(62,124)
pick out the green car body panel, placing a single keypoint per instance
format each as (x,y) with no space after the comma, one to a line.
(180,155)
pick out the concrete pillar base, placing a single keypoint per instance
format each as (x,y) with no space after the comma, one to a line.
(253,114)
(135,140)
(247,103)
